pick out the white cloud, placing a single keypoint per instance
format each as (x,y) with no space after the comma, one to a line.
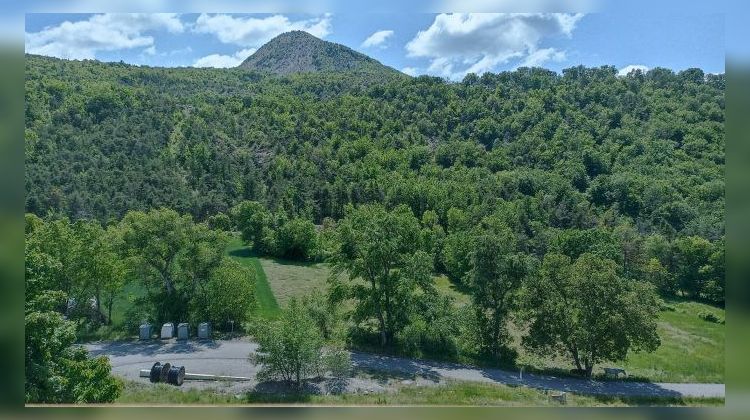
(150,50)
(103,32)
(510,6)
(411,71)
(377,39)
(254,32)
(461,43)
(539,57)
(224,61)
(627,69)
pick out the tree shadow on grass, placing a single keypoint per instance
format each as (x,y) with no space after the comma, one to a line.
(248,252)
(244,252)
(284,392)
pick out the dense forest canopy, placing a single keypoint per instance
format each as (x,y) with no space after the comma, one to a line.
(560,203)
(635,163)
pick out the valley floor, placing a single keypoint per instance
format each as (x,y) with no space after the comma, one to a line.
(372,374)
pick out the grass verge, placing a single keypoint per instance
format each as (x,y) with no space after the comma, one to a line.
(453,393)
(267,307)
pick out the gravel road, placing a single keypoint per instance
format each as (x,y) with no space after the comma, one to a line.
(230,357)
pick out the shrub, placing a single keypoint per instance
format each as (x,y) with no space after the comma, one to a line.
(667,307)
(710,317)
(433,330)
(290,349)
(220,221)
(297,240)
(227,295)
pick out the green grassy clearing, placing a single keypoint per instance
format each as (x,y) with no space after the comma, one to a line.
(289,279)
(692,349)
(267,306)
(454,393)
(447,287)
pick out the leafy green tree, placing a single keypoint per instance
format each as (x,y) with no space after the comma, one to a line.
(289,349)
(297,239)
(692,264)
(432,330)
(220,221)
(433,236)
(102,271)
(456,255)
(586,311)
(227,295)
(254,222)
(55,370)
(497,272)
(716,271)
(377,246)
(326,314)
(656,274)
(171,255)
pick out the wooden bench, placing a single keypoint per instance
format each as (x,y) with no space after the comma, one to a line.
(614,372)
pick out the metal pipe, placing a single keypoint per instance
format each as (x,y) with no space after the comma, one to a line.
(144,373)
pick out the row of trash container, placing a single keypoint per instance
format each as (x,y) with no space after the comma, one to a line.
(168,331)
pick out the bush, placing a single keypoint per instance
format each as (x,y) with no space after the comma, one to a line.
(290,349)
(710,317)
(227,295)
(135,315)
(667,307)
(296,240)
(432,331)
(220,221)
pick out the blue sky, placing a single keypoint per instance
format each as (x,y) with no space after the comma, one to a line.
(447,45)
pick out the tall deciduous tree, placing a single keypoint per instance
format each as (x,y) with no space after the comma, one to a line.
(381,248)
(495,278)
(586,310)
(55,370)
(171,255)
(254,222)
(227,295)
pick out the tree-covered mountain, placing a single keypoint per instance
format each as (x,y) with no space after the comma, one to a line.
(544,196)
(639,156)
(576,149)
(300,52)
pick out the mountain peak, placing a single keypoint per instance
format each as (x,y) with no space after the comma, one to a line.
(301,52)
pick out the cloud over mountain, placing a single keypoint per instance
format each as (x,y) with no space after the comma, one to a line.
(461,43)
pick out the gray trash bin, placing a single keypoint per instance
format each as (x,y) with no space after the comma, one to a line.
(145,332)
(183,331)
(204,330)
(167,330)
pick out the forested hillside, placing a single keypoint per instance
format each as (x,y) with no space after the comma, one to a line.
(635,162)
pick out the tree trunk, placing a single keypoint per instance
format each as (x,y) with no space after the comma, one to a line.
(383,335)
(381,318)
(589,369)
(98,298)
(576,359)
